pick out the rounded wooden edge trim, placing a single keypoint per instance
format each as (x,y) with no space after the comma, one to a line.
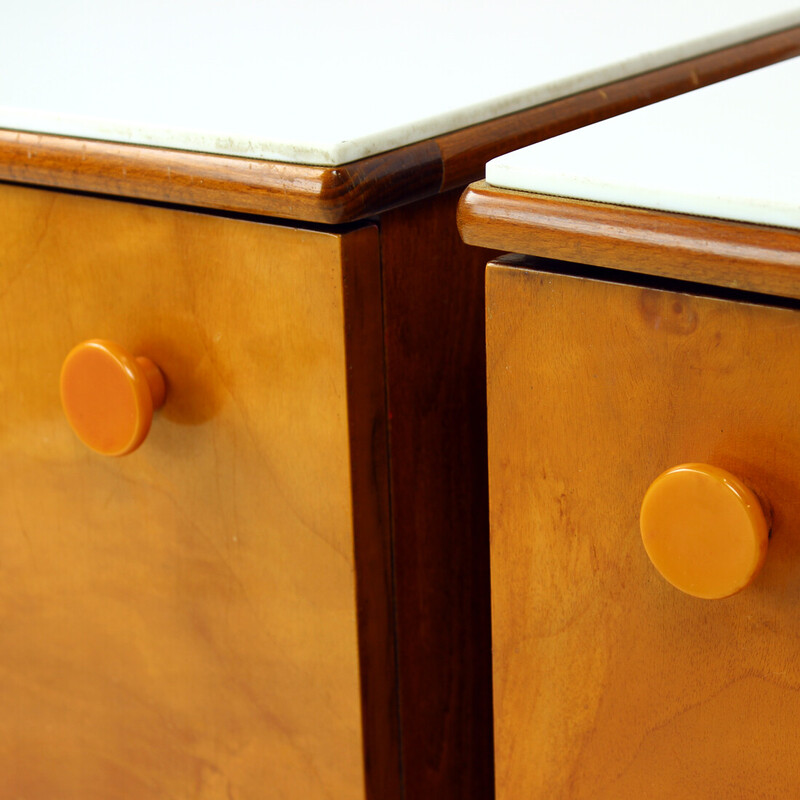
(736,255)
(335,195)
(329,195)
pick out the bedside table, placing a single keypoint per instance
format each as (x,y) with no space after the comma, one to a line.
(284,591)
(658,339)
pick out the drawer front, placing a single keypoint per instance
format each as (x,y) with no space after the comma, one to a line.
(179,622)
(609,682)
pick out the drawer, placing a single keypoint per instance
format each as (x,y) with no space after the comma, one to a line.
(609,682)
(182,621)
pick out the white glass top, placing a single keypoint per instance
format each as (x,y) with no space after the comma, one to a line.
(321,82)
(731,150)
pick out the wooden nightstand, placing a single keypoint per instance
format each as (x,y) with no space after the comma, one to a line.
(658,339)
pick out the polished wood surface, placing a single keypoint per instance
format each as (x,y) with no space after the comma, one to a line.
(736,255)
(435,362)
(609,682)
(290,191)
(368,186)
(182,622)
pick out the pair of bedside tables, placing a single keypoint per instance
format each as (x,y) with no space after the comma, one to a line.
(284,591)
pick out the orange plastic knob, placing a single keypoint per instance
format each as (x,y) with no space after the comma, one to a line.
(109,396)
(704,530)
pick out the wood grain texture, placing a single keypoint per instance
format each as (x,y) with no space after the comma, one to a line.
(369,470)
(362,188)
(435,360)
(610,683)
(184,621)
(736,255)
(289,191)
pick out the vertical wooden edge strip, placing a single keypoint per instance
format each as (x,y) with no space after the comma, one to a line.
(435,363)
(369,469)
(490,275)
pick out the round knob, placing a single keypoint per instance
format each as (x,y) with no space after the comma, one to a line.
(704,530)
(109,396)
